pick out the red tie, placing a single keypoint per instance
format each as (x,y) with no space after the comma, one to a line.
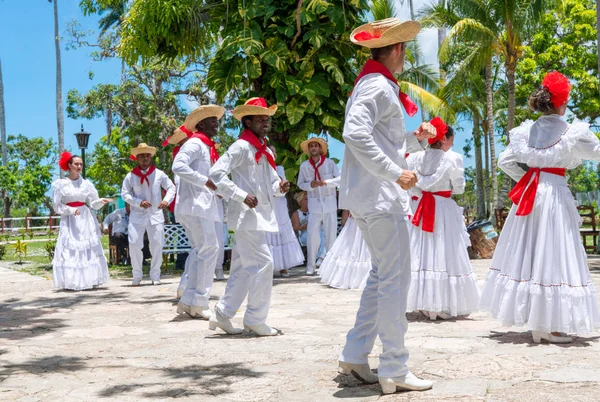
(143,177)
(260,145)
(214,155)
(426,209)
(523,193)
(316,166)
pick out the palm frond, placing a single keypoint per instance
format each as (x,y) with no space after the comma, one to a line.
(428,101)
(382,9)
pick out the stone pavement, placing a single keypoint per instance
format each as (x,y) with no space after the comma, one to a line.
(127,344)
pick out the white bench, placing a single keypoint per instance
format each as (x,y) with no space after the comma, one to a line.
(176,242)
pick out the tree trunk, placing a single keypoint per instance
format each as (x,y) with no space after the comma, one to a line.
(3,195)
(479,168)
(598,38)
(510,124)
(60,117)
(490,119)
(441,37)
(417,61)
(486,148)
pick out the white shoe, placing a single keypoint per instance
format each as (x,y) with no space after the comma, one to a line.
(444,316)
(157,282)
(219,275)
(183,308)
(409,382)
(361,372)
(219,321)
(260,330)
(310,271)
(539,335)
(136,282)
(199,312)
(319,262)
(284,273)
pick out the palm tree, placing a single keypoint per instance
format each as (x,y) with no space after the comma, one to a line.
(114,18)
(60,116)
(598,36)
(3,139)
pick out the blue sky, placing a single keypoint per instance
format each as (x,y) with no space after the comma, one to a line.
(28,67)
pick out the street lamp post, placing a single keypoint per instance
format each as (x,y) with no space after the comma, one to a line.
(82,141)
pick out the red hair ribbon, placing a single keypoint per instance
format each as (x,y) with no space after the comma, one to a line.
(441,128)
(63,161)
(559,87)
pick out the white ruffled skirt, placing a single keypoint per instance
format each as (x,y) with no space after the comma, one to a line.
(442,279)
(79,262)
(539,275)
(284,245)
(348,263)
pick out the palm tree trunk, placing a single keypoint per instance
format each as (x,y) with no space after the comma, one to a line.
(441,37)
(60,117)
(486,148)
(478,168)
(5,199)
(507,183)
(490,119)
(417,61)
(598,38)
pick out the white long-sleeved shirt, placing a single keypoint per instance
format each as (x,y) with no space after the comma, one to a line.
(119,220)
(247,177)
(320,199)
(376,143)
(191,165)
(134,192)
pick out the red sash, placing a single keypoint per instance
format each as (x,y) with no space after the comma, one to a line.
(426,209)
(316,166)
(260,145)
(214,155)
(76,204)
(372,66)
(138,172)
(523,193)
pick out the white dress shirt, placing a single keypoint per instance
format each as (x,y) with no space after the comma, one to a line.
(376,143)
(119,220)
(247,177)
(321,199)
(134,192)
(191,165)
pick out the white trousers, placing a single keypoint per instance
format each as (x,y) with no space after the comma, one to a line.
(382,309)
(136,244)
(329,221)
(251,274)
(201,261)
(187,222)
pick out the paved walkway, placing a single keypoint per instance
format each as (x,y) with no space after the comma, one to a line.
(127,344)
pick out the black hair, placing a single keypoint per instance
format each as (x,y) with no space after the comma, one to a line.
(541,100)
(382,52)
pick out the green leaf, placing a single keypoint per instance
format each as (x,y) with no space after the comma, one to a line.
(319,85)
(315,38)
(330,120)
(254,69)
(295,111)
(293,85)
(281,94)
(331,65)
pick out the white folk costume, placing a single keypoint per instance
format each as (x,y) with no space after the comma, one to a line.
(252,168)
(79,262)
(196,209)
(539,275)
(221,231)
(374,158)
(322,200)
(141,186)
(284,245)
(348,263)
(442,280)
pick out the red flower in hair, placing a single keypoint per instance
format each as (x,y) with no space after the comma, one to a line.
(441,129)
(559,88)
(63,161)
(362,36)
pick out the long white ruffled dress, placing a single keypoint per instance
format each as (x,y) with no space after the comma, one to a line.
(284,245)
(442,278)
(79,262)
(347,264)
(539,275)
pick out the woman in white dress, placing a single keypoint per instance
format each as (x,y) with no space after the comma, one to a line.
(442,282)
(539,275)
(284,245)
(79,262)
(347,264)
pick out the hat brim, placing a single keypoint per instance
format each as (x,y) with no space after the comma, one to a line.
(324,147)
(143,150)
(250,110)
(177,137)
(201,113)
(398,33)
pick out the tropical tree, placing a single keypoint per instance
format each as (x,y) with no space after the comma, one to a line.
(60,116)
(598,37)
(3,138)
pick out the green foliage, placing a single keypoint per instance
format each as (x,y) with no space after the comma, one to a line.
(584,178)
(29,172)
(2,251)
(49,247)
(20,250)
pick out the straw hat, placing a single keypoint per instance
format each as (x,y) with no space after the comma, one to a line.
(143,148)
(178,136)
(254,107)
(201,113)
(320,141)
(385,32)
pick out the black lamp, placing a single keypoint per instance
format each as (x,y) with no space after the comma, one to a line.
(83,138)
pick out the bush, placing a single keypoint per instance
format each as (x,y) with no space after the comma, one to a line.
(2,251)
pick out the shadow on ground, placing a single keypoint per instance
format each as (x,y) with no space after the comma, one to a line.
(524,338)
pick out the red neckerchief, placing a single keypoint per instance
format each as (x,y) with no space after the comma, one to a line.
(138,172)
(260,145)
(426,210)
(316,166)
(523,193)
(214,155)
(372,66)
